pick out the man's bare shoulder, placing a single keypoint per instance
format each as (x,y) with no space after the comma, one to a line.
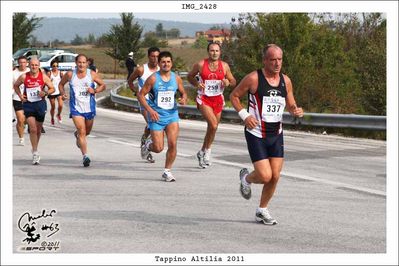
(140,69)
(201,62)
(253,76)
(286,79)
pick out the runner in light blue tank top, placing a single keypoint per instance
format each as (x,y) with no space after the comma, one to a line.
(163,118)
(162,100)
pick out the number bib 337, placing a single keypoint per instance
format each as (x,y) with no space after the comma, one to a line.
(166,99)
(33,94)
(273,109)
(213,87)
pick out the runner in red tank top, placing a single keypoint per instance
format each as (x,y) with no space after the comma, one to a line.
(214,76)
(34,103)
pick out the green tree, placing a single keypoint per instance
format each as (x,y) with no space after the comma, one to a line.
(102,41)
(124,38)
(151,40)
(179,64)
(314,58)
(77,40)
(22,29)
(365,43)
(200,43)
(159,31)
(90,39)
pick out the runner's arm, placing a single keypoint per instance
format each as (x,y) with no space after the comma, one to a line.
(291,103)
(183,99)
(49,85)
(229,78)
(191,76)
(65,78)
(101,85)
(138,72)
(18,83)
(249,83)
(148,85)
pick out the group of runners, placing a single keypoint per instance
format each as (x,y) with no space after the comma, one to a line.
(159,90)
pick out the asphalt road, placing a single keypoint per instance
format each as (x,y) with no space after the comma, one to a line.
(331,197)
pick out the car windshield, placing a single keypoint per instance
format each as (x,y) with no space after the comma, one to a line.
(19,53)
(45,58)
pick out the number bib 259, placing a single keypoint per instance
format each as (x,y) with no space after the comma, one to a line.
(33,94)
(166,99)
(213,87)
(273,109)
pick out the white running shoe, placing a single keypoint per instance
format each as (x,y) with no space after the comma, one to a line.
(265,217)
(144,149)
(244,188)
(200,157)
(21,142)
(207,158)
(35,159)
(168,177)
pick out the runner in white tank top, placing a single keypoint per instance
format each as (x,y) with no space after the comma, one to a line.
(142,73)
(55,77)
(19,111)
(82,101)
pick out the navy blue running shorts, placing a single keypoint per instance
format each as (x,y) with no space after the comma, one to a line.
(35,109)
(264,148)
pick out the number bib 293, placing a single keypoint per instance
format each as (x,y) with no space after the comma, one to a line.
(166,99)
(273,109)
(33,94)
(213,87)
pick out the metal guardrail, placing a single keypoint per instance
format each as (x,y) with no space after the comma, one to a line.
(365,122)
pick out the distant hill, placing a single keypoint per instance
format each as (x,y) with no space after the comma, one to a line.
(65,29)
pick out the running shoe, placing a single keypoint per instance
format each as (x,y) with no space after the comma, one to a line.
(59,119)
(244,189)
(52,121)
(143,139)
(200,157)
(21,142)
(207,158)
(43,131)
(265,217)
(144,149)
(86,161)
(77,138)
(35,159)
(150,159)
(168,177)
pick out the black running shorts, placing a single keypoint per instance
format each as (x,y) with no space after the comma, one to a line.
(264,148)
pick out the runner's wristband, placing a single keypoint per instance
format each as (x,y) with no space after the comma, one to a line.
(243,114)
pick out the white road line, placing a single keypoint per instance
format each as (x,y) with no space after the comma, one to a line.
(288,174)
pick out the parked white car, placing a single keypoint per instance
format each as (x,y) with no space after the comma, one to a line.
(66,61)
(38,52)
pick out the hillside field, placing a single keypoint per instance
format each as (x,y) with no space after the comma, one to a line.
(106,64)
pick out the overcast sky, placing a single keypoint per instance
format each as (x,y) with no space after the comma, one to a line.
(217,18)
